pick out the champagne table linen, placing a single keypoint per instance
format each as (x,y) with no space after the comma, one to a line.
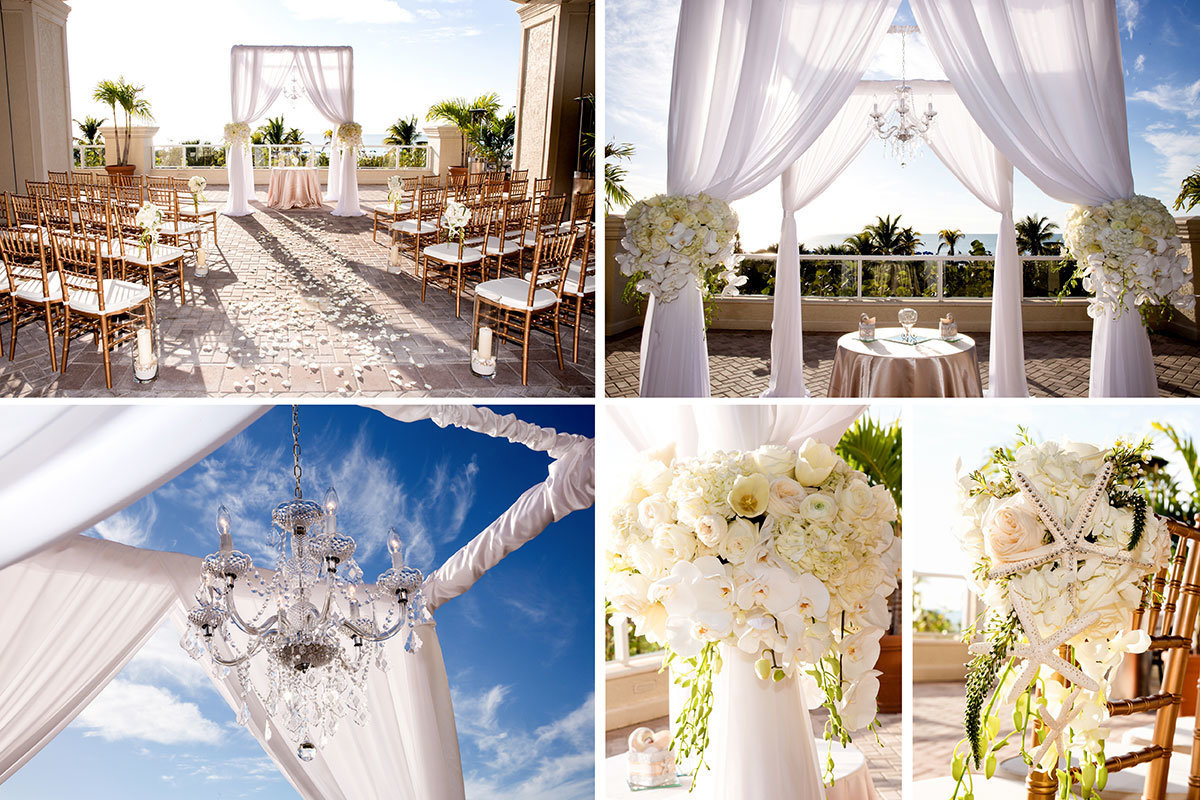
(294,187)
(936,368)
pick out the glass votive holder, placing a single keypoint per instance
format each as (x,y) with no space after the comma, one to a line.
(866,328)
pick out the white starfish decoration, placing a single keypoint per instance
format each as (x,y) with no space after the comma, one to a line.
(1070,544)
(1056,727)
(1038,650)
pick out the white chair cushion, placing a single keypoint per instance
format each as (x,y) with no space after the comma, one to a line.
(413,227)
(163,254)
(448,252)
(186,209)
(4,281)
(31,289)
(388,208)
(496,247)
(571,284)
(180,229)
(514,293)
(119,297)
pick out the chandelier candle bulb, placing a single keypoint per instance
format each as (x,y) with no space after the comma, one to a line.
(223,526)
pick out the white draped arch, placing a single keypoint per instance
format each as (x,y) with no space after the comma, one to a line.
(257,74)
(70,594)
(753,100)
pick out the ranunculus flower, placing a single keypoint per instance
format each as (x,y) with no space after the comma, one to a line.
(818,507)
(1011,530)
(748,497)
(814,462)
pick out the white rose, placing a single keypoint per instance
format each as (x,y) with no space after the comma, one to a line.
(785,496)
(748,497)
(710,529)
(676,541)
(655,510)
(739,539)
(691,509)
(814,462)
(1011,530)
(775,461)
(856,500)
(648,559)
(627,592)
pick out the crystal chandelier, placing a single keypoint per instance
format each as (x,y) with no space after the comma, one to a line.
(897,125)
(308,649)
(293,90)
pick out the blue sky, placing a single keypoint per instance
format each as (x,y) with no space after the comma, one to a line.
(408,54)
(1162,82)
(519,646)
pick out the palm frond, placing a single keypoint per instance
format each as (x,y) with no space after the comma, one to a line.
(877,451)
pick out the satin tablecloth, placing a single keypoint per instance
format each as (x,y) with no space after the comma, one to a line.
(851,779)
(294,187)
(889,369)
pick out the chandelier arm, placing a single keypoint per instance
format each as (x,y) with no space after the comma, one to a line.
(244,626)
(371,636)
(250,653)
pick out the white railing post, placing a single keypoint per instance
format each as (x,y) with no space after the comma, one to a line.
(858,277)
(941,277)
(620,626)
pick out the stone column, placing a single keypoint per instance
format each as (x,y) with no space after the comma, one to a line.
(558,44)
(141,146)
(445,149)
(35,98)
(1186,324)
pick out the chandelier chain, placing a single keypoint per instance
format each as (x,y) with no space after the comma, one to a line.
(296,449)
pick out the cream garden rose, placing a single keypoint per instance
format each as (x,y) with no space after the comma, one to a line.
(1011,530)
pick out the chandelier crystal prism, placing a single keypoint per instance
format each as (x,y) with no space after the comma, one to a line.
(898,125)
(317,630)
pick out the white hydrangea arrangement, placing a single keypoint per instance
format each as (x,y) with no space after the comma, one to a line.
(395,191)
(790,555)
(671,241)
(237,134)
(1129,247)
(1063,546)
(349,135)
(149,219)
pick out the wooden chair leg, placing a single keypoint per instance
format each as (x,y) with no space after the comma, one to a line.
(578,315)
(557,340)
(12,345)
(66,337)
(458,287)
(50,333)
(182,294)
(525,349)
(104,351)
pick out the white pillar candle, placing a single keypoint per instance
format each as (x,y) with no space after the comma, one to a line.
(394,255)
(144,346)
(485,342)
(201,257)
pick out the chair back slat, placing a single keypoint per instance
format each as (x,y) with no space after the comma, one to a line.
(38,189)
(80,266)
(22,210)
(551,258)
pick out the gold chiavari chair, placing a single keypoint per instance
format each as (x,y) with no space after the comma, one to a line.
(22,211)
(497,246)
(131,196)
(583,208)
(159,182)
(38,189)
(474,185)
(491,192)
(58,177)
(128,181)
(444,263)
(544,217)
(541,189)
(422,224)
(194,212)
(35,290)
(1176,586)
(57,214)
(579,284)
(394,210)
(514,307)
(112,309)
(176,231)
(162,266)
(519,175)
(517,190)
(93,217)
(456,185)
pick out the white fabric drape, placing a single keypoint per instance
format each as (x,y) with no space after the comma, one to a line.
(74,614)
(961,145)
(754,83)
(808,177)
(46,448)
(328,76)
(1045,82)
(483,420)
(256,76)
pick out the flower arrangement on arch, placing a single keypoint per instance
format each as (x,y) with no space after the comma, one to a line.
(1063,546)
(349,135)
(672,241)
(1129,247)
(237,134)
(789,555)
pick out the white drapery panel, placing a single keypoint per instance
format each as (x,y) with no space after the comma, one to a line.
(1045,82)
(74,614)
(328,76)
(754,83)
(966,151)
(256,76)
(483,420)
(808,177)
(46,448)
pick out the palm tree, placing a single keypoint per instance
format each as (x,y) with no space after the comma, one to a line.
(889,238)
(949,238)
(978,249)
(273,131)
(1033,233)
(90,128)
(403,132)
(615,193)
(1189,192)
(294,136)
(877,451)
(458,112)
(861,244)
(493,138)
(909,241)
(128,97)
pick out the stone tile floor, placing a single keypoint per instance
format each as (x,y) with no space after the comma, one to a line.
(885,760)
(299,303)
(1056,364)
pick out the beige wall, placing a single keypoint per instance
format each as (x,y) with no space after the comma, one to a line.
(35,103)
(635,693)
(558,44)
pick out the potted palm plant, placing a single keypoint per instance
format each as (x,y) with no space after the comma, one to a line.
(462,113)
(492,140)
(127,96)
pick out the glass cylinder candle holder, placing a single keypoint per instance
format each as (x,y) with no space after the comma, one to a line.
(866,328)
(947,327)
(145,360)
(483,354)
(202,257)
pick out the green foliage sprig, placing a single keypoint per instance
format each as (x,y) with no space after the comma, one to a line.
(1125,497)
(691,726)
(982,673)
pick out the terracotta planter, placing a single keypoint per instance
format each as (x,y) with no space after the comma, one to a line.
(120,169)
(891,682)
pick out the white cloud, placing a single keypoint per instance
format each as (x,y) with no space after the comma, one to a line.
(1139,63)
(1130,11)
(1177,99)
(350,11)
(130,526)
(126,710)
(162,659)
(1179,153)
